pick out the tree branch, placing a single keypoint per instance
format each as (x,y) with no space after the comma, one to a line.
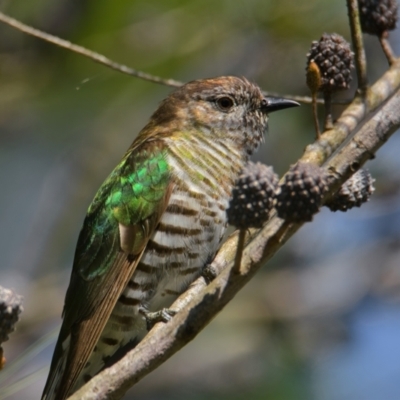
(363,134)
(356,36)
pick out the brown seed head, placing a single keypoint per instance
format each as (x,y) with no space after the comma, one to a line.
(377,16)
(300,195)
(354,192)
(334,59)
(253,196)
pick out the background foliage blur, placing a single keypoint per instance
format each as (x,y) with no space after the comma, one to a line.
(321,321)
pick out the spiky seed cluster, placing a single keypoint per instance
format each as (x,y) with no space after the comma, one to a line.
(334,59)
(299,196)
(377,16)
(253,196)
(354,192)
(10,308)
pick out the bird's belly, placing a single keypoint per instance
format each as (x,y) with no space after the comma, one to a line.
(193,240)
(185,240)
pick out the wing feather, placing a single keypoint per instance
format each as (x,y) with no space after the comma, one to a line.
(118,225)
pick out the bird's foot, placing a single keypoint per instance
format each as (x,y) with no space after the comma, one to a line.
(209,273)
(152,318)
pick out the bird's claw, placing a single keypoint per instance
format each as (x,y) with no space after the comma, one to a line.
(209,273)
(163,315)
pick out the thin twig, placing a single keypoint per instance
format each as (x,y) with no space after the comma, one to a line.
(300,99)
(305,99)
(314,81)
(328,124)
(99,58)
(356,36)
(315,115)
(387,48)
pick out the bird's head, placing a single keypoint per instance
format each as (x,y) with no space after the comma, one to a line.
(226,108)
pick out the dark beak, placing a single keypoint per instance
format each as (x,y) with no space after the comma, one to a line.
(271,104)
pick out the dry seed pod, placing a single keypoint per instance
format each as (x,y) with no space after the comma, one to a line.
(334,58)
(253,196)
(354,192)
(377,16)
(299,197)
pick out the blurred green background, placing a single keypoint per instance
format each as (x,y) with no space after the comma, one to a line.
(321,321)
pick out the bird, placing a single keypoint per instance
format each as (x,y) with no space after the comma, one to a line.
(156,222)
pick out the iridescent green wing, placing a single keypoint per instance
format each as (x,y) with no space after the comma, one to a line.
(118,224)
(131,197)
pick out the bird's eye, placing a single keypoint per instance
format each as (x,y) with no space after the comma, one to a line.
(264,103)
(225,103)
